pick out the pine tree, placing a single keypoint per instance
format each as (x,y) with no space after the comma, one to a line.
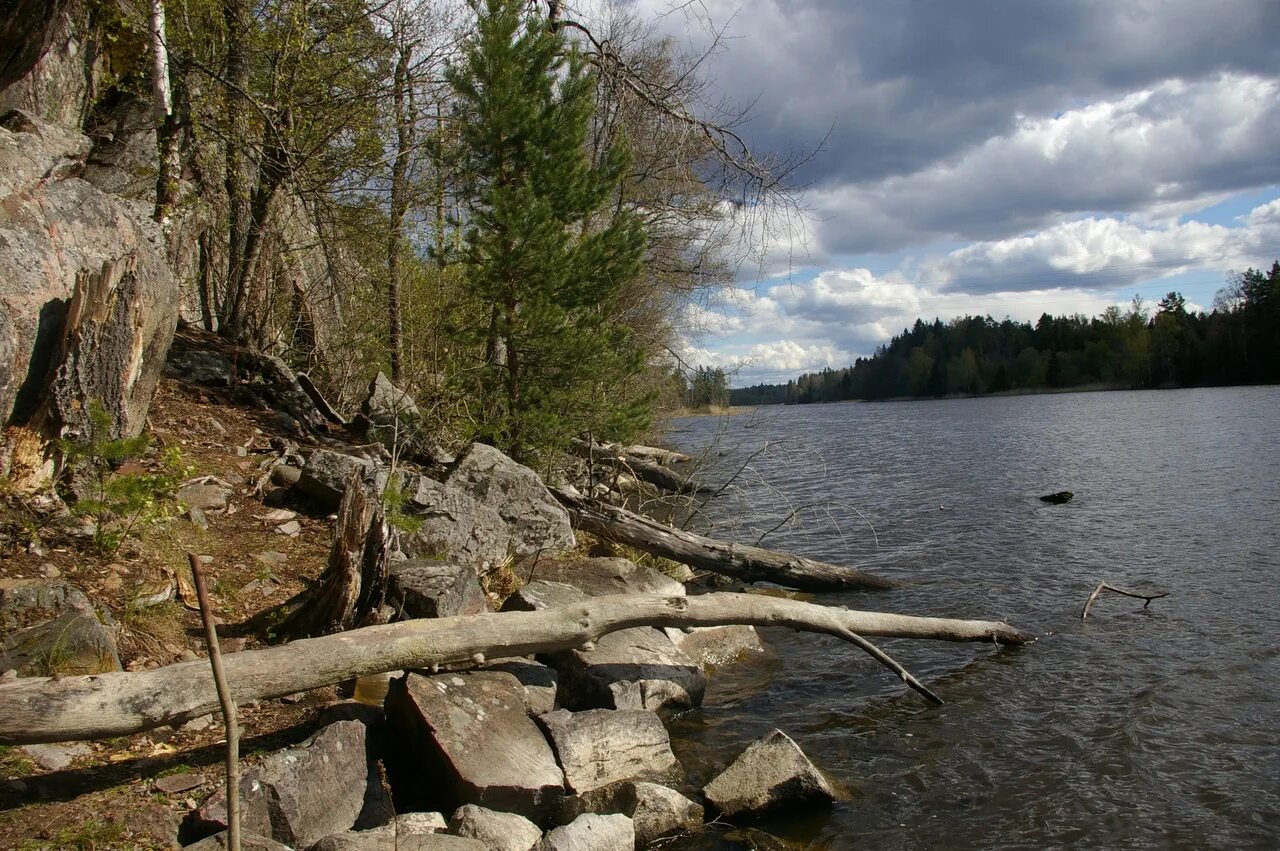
(542,255)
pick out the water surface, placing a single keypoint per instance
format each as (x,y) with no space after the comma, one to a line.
(1136,729)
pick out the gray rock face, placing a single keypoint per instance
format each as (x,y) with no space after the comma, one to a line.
(541,594)
(88,304)
(387,404)
(539,682)
(325,475)
(494,830)
(197,366)
(601,747)
(409,832)
(715,646)
(249,841)
(71,643)
(24,602)
(592,832)
(472,733)
(298,796)
(454,526)
(658,811)
(537,521)
(630,669)
(771,772)
(598,577)
(419,588)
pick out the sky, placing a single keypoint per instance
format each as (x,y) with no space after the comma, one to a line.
(987,157)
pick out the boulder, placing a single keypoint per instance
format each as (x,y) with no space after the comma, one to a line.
(325,474)
(541,594)
(207,497)
(715,646)
(330,784)
(454,526)
(24,602)
(387,405)
(496,831)
(538,680)
(598,577)
(421,588)
(772,772)
(601,747)
(537,521)
(380,841)
(657,811)
(88,303)
(249,841)
(72,643)
(199,366)
(476,742)
(591,832)
(629,669)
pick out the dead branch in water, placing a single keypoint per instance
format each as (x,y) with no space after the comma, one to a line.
(1102,586)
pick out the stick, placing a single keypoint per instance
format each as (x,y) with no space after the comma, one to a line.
(1102,586)
(228,707)
(40,709)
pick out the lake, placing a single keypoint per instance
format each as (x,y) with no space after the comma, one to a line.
(1139,728)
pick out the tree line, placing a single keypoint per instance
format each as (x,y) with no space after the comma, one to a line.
(503,206)
(1237,342)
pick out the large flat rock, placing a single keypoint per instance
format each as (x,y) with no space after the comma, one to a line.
(601,747)
(472,732)
(537,521)
(770,774)
(629,669)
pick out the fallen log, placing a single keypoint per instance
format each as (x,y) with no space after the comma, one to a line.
(740,561)
(1103,586)
(42,709)
(642,468)
(651,453)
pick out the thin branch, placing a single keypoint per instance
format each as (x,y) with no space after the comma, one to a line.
(228,707)
(1102,586)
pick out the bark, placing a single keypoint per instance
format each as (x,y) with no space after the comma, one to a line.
(166,121)
(404,117)
(740,561)
(41,709)
(642,468)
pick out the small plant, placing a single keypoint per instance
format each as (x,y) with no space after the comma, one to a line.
(394,497)
(119,501)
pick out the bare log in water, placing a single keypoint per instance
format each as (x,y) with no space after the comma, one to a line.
(1102,586)
(643,469)
(740,561)
(41,709)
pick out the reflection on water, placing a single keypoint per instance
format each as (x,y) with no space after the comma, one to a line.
(1138,728)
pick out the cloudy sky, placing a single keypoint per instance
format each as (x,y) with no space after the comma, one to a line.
(990,156)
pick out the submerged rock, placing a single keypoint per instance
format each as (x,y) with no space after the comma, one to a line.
(1058,498)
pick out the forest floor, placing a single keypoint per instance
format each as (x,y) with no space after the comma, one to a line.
(107,796)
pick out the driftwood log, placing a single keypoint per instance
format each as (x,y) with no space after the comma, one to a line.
(1103,586)
(651,453)
(41,709)
(740,561)
(644,469)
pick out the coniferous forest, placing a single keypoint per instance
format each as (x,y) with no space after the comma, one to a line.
(1237,342)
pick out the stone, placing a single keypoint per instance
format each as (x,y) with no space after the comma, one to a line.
(657,811)
(421,588)
(598,577)
(156,823)
(772,772)
(330,784)
(409,832)
(537,522)
(453,526)
(175,784)
(55,757)
(600,747)
(591,832)
(290,529)
(716,646)
(324,477)
(495,830)
(27,601)
(541,594)
(286,475)
(72,643)
(88,303)
(199,366)
(387,404)
(538,680)
(635,668)
(472,733)
(271,558)
(249,841)
(206,497)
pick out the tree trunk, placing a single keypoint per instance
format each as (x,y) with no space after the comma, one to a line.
(402,103)
(642,468)
(166,120)
(750,564)
(99,706)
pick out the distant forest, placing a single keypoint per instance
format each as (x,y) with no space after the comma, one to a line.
(1238,342)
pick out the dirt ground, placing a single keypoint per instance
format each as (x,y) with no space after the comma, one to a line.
(107,798)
